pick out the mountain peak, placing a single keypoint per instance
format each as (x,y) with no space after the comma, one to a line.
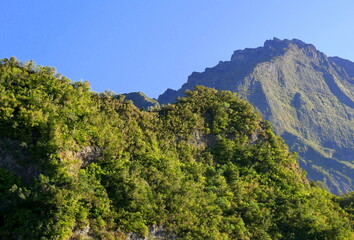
(307,96)
(277,43)
(140,100)
(272,48)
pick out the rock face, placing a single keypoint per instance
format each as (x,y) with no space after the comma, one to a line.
(307,96)
(15,157)
(155,233)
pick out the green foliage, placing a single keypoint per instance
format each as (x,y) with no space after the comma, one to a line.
(93,166)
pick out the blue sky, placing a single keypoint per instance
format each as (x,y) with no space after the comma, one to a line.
(153,45)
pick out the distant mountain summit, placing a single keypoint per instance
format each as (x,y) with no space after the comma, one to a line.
(141,101)
(307,96)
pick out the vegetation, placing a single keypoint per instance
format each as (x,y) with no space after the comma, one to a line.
(81,165)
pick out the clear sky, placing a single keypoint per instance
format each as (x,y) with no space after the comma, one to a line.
(152,45)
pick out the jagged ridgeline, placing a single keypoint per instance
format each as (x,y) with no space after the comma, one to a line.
(82,165)
(307,96)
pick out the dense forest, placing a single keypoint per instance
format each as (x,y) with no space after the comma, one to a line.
(75,164)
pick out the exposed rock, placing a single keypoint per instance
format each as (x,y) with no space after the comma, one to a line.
(15,157)
(155,232)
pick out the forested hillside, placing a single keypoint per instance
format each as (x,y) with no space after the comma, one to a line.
(75,164)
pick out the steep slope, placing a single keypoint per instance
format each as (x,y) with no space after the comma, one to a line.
(81,165)
(308,98)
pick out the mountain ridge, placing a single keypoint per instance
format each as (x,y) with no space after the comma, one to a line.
(304,94)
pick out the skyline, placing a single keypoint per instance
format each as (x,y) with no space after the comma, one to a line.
(155,45)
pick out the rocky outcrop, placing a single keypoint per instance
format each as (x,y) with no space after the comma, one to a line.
(15,157)
(155,233)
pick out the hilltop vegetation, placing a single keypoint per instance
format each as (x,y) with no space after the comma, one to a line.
(82,165)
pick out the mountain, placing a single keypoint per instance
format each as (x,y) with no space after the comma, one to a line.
(141,100)
(307,96)
(75,164)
